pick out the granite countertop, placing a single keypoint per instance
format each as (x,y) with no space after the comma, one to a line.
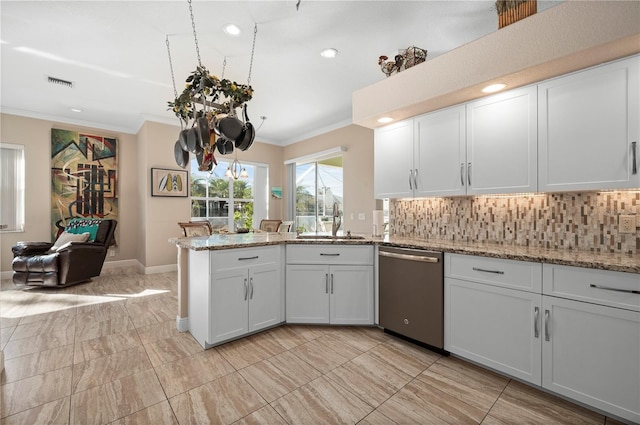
(596,260)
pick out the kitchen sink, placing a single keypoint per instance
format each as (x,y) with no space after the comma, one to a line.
(330,237)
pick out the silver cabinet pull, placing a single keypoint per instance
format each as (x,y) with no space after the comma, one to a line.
(410,177)
(606,288)
(415,180)
(469,173)
(536,315)
(332,283)
(245,288)
(330,254)
(634,167)
(248,258)
(326,283)
(547,337)
(251,286)
(462,173)
(488,271)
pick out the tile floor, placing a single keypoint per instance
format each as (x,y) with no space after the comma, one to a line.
(107,352)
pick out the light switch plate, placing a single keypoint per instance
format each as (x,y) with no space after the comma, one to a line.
(627,223)
(361,216)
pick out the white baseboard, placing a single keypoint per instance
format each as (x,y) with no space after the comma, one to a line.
(119,263)
(6,275)
(160,269)
(182,323)
(1,361)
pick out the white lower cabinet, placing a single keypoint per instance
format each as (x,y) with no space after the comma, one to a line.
(234,292)
(327,284)
(494,326)
(591,353)
(492,313)
(587,351)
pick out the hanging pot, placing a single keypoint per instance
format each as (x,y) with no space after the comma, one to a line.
(202,126)
(248,134)
(206,160)
(230,127)
(224,146)
(182,156)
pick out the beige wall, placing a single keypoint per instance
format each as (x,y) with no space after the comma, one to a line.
(358,170)
(35,135)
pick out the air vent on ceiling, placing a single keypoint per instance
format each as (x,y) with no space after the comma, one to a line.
(54,80)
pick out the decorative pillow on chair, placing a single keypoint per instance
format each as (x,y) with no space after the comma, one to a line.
(67,237)
(82,225)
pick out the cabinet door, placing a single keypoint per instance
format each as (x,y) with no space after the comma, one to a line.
(265,297)
(591,353)
(229,306)
(502,143)
(351,295)
(588,122)
(440,153)
(393,160)
(496,327)
(307,295)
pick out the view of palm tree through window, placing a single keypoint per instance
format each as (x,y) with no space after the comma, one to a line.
(318,186)
(211,198)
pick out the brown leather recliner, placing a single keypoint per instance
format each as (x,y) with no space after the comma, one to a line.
(34,263)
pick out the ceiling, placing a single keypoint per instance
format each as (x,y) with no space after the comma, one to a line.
(115,54)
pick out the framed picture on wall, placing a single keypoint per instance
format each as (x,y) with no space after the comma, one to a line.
(172,183)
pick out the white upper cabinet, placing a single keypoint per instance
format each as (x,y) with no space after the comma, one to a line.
(589,127)
(393,161)
(440,153)
(502,143)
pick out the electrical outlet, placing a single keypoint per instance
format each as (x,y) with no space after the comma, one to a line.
(361,216)
(627,224)
(112,253)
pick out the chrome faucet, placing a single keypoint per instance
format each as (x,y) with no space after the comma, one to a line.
(337,221)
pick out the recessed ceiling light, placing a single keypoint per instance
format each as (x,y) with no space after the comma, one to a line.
(385,120)
(493,88)
(231,29)
(76,109)
(329,53)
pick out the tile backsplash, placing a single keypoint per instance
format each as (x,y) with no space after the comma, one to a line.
(581,220)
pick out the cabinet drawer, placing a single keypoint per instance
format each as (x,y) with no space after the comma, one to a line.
(615,289)
(521,275)
(330,254)
(244,257)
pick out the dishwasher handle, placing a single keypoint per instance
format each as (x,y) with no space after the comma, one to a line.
(409,257)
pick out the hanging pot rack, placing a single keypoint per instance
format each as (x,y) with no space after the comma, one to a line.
(209,97)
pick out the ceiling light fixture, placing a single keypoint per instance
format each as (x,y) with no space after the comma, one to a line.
(231,29)
(329,53)
(493,88)
(385,120)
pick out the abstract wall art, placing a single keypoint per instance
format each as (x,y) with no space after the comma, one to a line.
(84,182)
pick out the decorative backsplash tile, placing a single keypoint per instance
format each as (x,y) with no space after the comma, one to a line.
(582,221)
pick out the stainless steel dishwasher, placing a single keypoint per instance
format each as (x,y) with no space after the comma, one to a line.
(411,294)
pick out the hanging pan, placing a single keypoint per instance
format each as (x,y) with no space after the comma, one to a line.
(230,127)
(248,133)
(182,156)
(193,144)
(202,126)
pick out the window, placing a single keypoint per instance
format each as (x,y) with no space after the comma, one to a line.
(241,207)
(11,188)
(319,184)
